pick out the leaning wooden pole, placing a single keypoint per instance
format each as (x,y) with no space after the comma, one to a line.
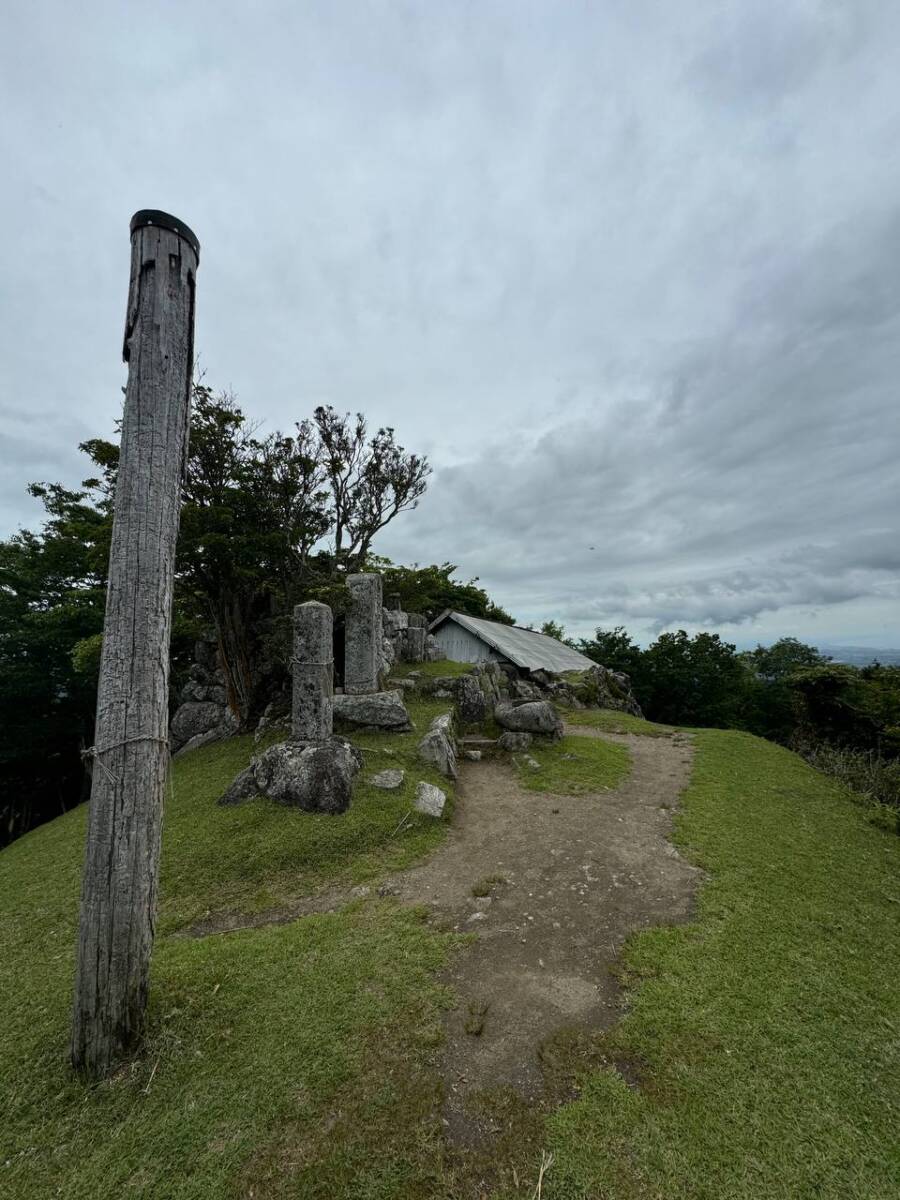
(131,750)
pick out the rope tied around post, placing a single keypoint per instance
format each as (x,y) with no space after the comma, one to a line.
(93,753)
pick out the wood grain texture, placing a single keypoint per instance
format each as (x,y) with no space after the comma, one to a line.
(118,904)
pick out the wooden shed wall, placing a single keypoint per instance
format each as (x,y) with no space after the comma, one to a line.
(459,645)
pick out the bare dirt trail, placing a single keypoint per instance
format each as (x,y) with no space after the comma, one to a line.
(580,873)
(569,878)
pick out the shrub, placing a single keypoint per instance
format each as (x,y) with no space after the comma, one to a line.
(871,779)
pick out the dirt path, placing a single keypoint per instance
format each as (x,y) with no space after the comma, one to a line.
(580,873)
(568,879)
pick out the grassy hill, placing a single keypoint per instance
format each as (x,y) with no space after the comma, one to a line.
(301,1059)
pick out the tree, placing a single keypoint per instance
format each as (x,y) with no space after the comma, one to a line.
(51,598)
(694,681)
(555,630)
(257,513)
(429,590)
(772,708)
(614,649)
(372,480)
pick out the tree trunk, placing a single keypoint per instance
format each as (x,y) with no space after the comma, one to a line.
(131,751)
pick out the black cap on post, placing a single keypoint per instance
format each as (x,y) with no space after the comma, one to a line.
(153,216)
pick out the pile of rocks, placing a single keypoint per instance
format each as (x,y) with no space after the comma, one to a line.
(202,714)
(597,687)
(406,637)
(500,684)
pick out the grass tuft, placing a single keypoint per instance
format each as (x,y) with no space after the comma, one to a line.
(611,721)
(573,766)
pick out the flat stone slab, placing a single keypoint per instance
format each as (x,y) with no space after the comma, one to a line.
(388,780)
(378,710)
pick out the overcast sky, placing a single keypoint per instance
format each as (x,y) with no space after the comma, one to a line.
(629,273)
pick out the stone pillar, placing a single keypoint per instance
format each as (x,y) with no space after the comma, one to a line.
(363,635)
(311,714)
(394,603)
(415,638)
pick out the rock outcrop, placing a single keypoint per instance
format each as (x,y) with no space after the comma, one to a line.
(379,710)
(530,716)
(316,777)
(202,715)
(438,746)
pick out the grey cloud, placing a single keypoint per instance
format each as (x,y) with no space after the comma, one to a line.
(629,274)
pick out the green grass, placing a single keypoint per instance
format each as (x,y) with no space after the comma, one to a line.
(252,1036)
(615,722)
(573,766)
(488,884)
(303,1060)
(431,670)
(766,1033)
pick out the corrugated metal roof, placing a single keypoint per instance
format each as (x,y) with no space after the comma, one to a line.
(527,649)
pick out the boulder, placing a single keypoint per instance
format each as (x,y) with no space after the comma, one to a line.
(243,788)
(472,755)
(438,746)
(317,777)
(380,710)
(195,717)
(470,700)
(513,742)
(429,800)
(388,780)
(534,716)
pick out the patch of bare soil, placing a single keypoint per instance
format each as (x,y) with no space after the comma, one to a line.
(570,877)
(562,882)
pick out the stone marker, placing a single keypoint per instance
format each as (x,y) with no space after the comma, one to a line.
(363,635)
(415,643)
(311,714)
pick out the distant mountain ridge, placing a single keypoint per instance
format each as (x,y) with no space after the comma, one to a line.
(861,656)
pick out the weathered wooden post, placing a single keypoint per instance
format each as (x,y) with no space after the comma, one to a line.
(131,751)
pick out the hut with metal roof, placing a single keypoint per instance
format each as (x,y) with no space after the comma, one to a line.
(462,638)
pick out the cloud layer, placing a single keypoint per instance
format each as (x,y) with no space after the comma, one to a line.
(630,274)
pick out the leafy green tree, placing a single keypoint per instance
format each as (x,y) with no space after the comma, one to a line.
(555,630)
(431,589)
(696,680)
(614,649)
(52,595)
(257,516)
(847,706)
(771,704)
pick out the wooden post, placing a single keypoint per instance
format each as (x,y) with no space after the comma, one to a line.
(131,749)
